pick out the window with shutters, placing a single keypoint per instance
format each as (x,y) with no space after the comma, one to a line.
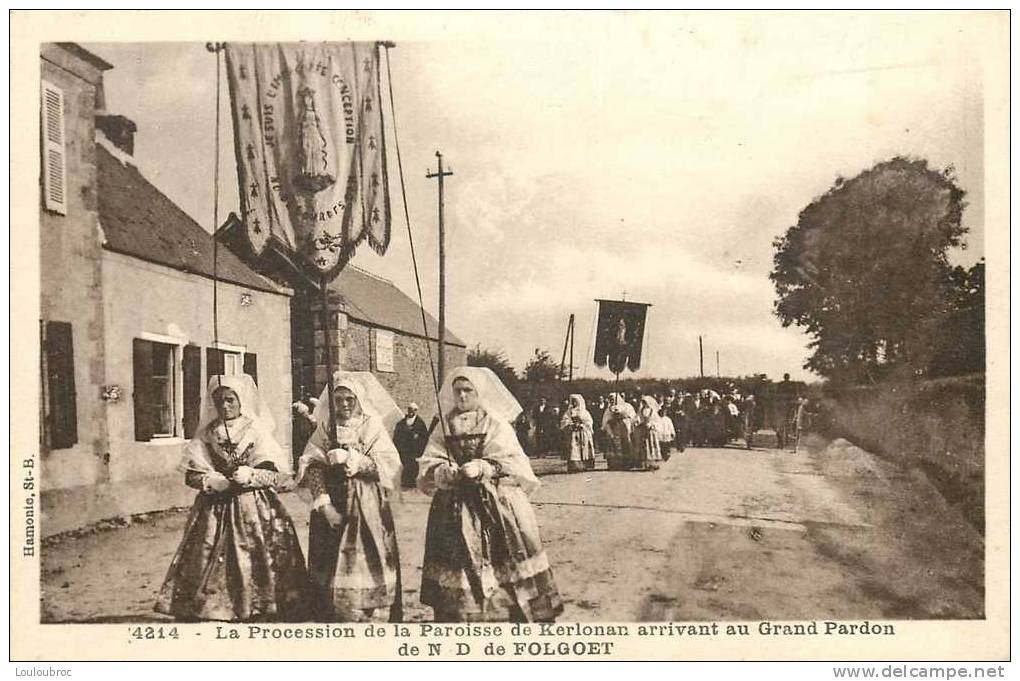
(223,363)
(163,401)
(60,416)
(155,389)
(251,366)
(54,150)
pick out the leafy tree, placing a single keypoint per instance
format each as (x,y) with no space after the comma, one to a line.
(865,272)
(541,367)
(960,333)
(495,360)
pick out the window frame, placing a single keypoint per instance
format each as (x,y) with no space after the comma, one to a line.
(177,384)
(391,367)
(232,358)
(171,378)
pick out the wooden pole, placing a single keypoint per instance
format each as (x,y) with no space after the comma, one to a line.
(563,356)
(329,362)
(717,372)
(701,356)
(439,175)
(570,368)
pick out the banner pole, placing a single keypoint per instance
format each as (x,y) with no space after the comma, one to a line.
(591,340)
(329,360)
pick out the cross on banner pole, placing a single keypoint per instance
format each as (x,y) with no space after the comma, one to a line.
(439,175)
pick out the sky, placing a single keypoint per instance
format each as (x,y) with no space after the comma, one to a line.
(656,159)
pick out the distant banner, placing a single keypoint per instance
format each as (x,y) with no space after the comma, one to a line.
(311,155)
(619,335)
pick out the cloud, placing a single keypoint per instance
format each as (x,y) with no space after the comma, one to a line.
(616,157)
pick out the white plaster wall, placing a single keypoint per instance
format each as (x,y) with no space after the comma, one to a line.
(144,297)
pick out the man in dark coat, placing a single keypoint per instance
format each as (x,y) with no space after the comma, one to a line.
(410,436)
(541,419)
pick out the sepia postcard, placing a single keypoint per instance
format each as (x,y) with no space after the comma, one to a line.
(610,335)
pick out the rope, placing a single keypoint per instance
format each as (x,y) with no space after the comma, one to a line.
(216,210)
(591,335)
(410,239)
(216,242)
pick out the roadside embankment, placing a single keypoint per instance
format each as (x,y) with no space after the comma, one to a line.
(936,426)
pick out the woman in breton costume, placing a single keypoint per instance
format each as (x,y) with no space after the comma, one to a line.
(647,436)
(352,545)
(618,423)
(483,552)
(239,559)
(576,425)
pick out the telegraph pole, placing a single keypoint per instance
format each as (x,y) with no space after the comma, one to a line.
(568,343)
(701,356)
(570,370)
(717,372)
(439,175)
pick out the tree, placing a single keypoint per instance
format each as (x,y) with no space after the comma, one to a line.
(541,367)
(495,360)
(864,270)
(960,333)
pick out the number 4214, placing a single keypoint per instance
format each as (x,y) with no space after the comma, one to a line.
(153,633)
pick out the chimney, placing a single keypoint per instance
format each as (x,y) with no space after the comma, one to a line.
(120,130)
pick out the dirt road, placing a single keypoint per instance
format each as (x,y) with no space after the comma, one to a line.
(716,534)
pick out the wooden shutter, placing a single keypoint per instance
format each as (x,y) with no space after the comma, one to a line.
(192,367)
(251,366)
(54,151)
(142,354)
(213,362)
(62,396)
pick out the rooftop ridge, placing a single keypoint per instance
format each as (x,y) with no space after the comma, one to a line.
(373,275)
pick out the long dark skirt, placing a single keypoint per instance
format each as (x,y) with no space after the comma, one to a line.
(239,560)
(620,453)
(483,548)
(355,567)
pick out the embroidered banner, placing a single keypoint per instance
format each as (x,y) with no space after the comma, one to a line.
(619,335)
(310,148)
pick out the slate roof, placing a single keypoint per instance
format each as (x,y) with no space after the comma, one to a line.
(139,220)
(378,302)
(364,297)
(88,56)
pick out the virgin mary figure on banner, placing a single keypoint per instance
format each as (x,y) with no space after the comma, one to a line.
(309,140)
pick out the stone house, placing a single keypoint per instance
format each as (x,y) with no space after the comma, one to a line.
(126,314)
(127,329)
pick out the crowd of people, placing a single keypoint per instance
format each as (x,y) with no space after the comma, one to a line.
(240,559)
(636,431)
